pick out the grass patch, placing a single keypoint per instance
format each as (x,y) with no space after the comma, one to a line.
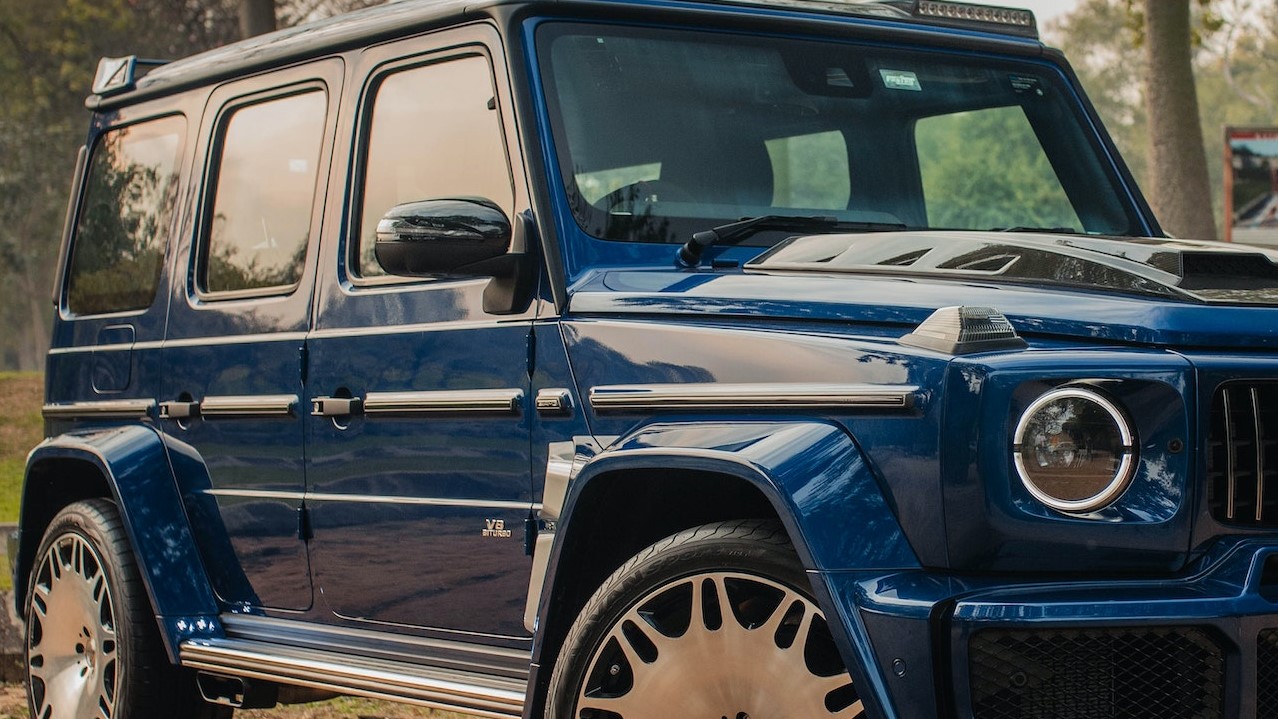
(21,428)
(349,708)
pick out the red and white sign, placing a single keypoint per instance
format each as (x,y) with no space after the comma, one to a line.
(1251,185)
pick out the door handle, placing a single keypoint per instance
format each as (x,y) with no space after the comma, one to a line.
(178,409)
(335,406)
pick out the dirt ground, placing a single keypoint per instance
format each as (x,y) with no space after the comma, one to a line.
(13,705)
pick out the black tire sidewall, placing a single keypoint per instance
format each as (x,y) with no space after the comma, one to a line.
(758,548)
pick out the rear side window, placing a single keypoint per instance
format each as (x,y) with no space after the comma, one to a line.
(434,133)
(260,220)
(130,191)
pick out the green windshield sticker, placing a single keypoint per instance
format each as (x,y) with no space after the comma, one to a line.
(901,80)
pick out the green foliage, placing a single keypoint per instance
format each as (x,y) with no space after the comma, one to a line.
(1235,66)
(986,169)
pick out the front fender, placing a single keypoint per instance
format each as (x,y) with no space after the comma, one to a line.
(133,464)
(812,472)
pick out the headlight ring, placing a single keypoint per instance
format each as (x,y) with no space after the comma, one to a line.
(1074,450)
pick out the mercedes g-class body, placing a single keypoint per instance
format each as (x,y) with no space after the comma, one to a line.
(588,359)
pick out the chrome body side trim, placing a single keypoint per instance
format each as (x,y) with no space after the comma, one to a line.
(496,697)
(371,499)
(267,405)
(751,396)
(499,401)
(100,409)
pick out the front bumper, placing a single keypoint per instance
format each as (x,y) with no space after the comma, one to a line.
(1203,646)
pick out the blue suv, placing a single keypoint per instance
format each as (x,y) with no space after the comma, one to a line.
(589,359)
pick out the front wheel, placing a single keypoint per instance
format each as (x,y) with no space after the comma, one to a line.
(716,621)
(93,647)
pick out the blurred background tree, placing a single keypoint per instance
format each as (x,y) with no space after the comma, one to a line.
(1234,54)
(50,48)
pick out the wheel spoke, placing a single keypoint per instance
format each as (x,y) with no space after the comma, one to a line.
(854,710)
(629,706)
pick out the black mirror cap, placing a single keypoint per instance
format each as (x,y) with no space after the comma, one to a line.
(441,236)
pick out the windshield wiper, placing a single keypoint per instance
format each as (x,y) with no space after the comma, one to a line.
(689,254)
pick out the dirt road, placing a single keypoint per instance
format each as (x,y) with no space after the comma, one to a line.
(13,705)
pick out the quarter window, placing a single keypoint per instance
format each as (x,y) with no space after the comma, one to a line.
(434,133)
(130,191)
(261,217)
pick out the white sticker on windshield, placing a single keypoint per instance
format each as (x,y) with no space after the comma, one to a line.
(901,80)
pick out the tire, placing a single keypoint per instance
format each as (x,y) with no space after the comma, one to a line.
(716,621)
(93,646)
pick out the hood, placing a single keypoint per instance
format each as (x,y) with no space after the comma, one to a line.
(1209,272)
(1170,293)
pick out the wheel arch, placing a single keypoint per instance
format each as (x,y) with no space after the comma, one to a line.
(129,466)
(665,478)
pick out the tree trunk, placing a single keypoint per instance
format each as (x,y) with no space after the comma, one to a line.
(256,17)
(1180,191)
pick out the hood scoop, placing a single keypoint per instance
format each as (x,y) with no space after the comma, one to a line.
(1226,271)
(1206,272)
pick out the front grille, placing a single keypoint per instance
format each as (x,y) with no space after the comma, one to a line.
(1132,673)
(1267,674)
(1242,466)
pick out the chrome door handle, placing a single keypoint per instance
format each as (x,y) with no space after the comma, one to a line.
(177,409)
(335,406)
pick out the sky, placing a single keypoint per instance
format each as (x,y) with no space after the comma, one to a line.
(1044,10)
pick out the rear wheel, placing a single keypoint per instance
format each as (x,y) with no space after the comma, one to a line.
(716,621)
(93,647)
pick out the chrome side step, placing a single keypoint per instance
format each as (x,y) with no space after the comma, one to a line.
(497,697)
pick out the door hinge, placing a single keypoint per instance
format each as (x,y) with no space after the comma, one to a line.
(304,524)
(532,350)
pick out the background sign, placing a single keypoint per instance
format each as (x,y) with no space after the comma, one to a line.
(1251,185)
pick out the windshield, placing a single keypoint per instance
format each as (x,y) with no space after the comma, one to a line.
(664,133)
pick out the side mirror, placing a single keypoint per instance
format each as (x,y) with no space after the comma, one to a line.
(431,237)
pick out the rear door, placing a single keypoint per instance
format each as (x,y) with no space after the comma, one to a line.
(234,352)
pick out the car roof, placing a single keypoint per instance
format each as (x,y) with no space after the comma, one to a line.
(400,18)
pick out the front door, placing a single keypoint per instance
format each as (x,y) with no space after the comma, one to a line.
(419,489)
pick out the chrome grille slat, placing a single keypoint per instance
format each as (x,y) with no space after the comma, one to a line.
(1260,455)
(1240,468)
(1230,473)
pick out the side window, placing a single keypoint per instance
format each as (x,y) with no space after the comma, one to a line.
(810,171)
(434,132)
(130,191)
(258,227)
(985,169)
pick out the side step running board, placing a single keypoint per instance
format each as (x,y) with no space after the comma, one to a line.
(497,697)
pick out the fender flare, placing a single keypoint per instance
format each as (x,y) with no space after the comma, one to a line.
(811,471)
(133,461)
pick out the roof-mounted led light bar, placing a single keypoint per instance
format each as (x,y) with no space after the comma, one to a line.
(976,13)
(968,16)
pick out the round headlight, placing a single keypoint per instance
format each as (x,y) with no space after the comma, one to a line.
(1074,450)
